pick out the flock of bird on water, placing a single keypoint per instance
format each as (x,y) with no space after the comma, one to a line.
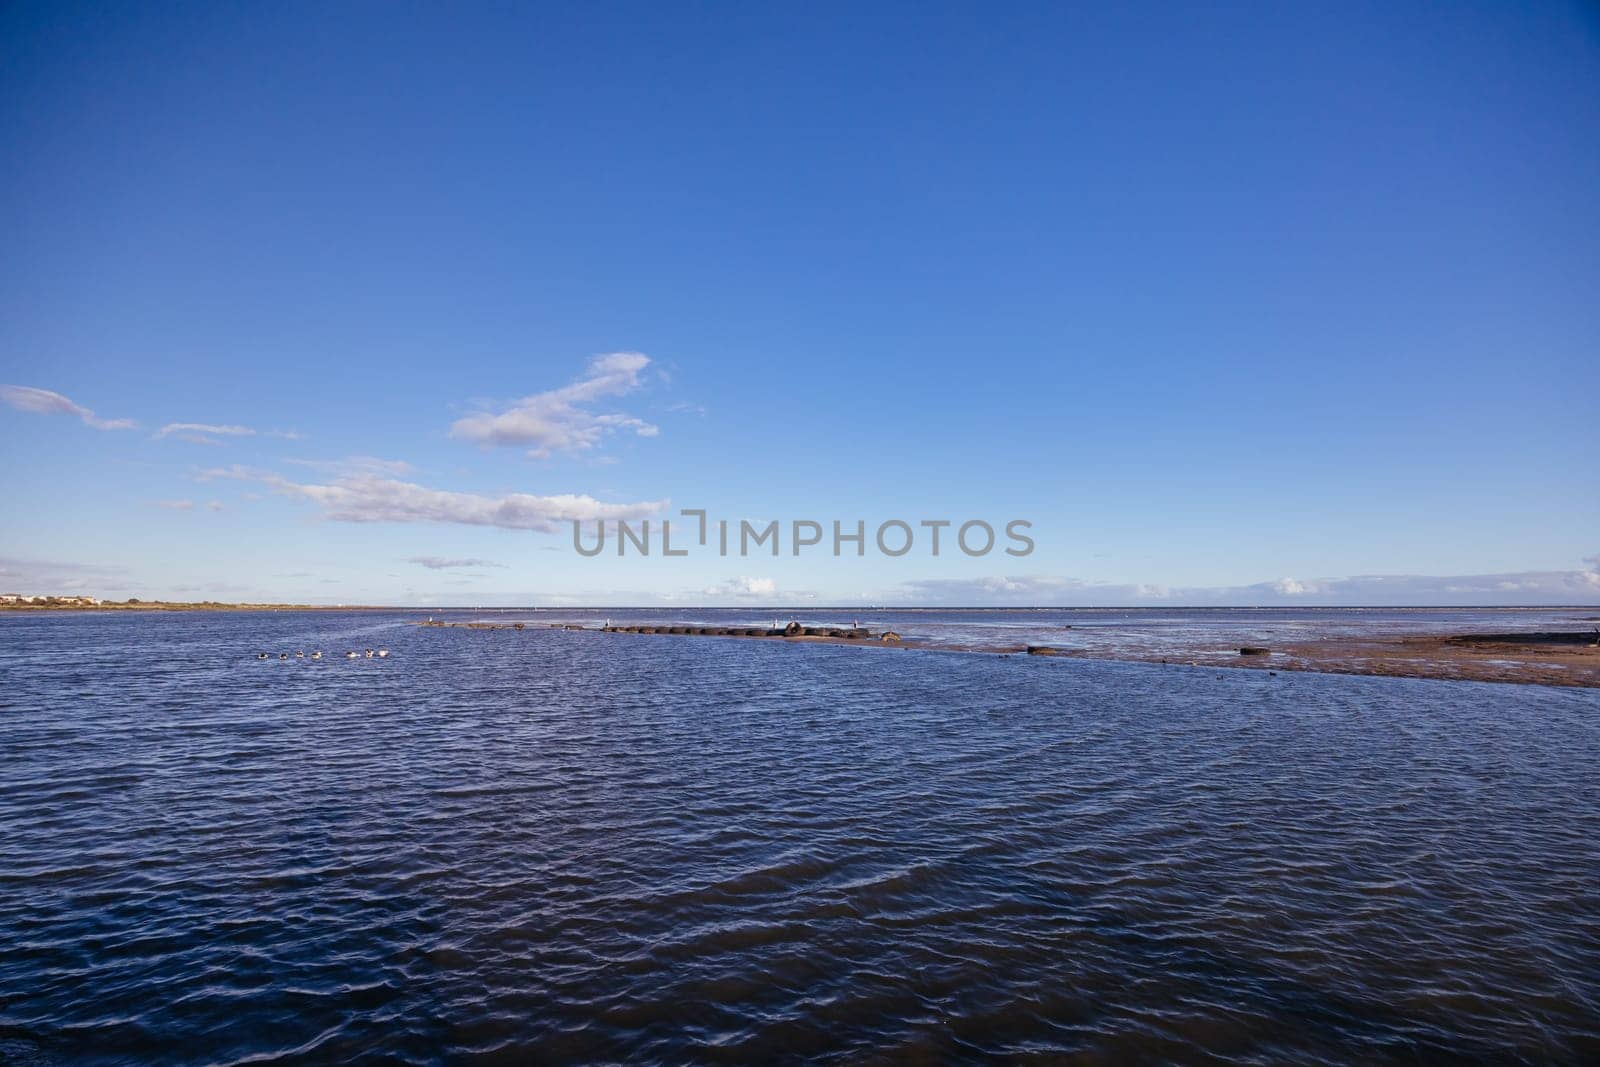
(372,653)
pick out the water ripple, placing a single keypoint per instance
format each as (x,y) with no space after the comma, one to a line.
(560,847)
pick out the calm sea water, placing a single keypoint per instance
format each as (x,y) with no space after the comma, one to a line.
(546,846)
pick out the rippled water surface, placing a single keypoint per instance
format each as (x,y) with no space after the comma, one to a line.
(552,846)
(1207,634)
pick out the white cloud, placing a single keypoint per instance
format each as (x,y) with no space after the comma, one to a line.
(201,433)
(560,420)
(211,587)
(371,498)
(1375,590)
(1524,587)
(743,587)
(1294,587)
(44,402)
(996,589)
(237,472)
(439,563)
(176,505)
(43,576)
(355,465)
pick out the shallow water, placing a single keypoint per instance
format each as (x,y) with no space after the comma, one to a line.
(562,847)
(1207,634)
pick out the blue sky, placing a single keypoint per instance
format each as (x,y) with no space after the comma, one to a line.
(1243,306)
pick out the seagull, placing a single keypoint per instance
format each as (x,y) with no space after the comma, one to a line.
(349,655)
(369,653)
(261,655)
(382,653)
(283,655)
(301,654)
(316,655)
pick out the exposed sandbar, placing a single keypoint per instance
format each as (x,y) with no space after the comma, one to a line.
(1562,658)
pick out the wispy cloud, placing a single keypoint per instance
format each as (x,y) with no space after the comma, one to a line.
(212,587)
(237,472)
(44,402)
(440,563)
(35,575)
(355,465)
(370,498)
(202,433)
(560,420)
(176,505)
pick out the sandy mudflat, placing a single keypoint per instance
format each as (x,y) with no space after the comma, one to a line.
(1562,658)
(1551,658)
(1570,659)
(1566,659)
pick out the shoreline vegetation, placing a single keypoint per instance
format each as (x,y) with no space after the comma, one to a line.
(67,604)
(1569,658)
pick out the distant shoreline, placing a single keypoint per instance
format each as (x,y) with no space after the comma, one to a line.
(758,609)
(173,605)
